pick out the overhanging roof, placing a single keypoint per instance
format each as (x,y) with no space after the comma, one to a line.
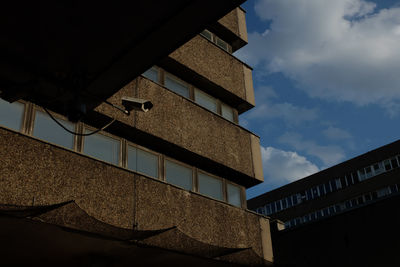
(55,52)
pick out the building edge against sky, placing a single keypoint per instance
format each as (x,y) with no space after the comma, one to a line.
(174,175)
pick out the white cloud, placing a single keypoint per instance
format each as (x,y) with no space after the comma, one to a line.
(335,133)
(281,167)
(337,50)
(267,109)
(328,154)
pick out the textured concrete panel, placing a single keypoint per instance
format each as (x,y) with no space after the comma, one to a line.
(36,173)
(235,21)
(256,155)
(213,63)
(184,123)
(248,81)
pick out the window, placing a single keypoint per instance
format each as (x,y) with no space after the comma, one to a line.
(227,112)
(321,189)
(102,147)
(178,174)
(368,172)
(284,203)
(152,74)
(387,165)
(394,163)
(295,201)
(315,191)
(289,201)
(221,43)
(309,194)
(142,161)
(207,34)
(278,205)
(210,186)
(268,209)
(378,168)
(273,208)
(234,195)
(179,87)
(11,114)
(328,188)
(47,129)
(338,183)
(205,100)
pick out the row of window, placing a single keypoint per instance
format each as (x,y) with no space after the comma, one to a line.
(343,206)
(186,90)
(117,151)
(216,40)
(331,186)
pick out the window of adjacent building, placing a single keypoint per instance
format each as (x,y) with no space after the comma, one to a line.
(178,175)
(205,100)
(11,114)
(268,209)
(102,147)
(152,74)
(210,186)
(177,86)
(47,129)
(142,161)
(233,192)
(227,112)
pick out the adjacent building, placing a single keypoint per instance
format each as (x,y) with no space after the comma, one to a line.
(348,185)
(152,188)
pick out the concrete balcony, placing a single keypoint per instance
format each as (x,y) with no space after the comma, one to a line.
(188,132)
(35,173)
(212,69)
(232,28)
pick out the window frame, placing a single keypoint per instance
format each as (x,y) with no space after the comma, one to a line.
(240,193)
(136,146)
(192,168)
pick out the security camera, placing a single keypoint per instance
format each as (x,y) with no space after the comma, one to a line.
(131,103)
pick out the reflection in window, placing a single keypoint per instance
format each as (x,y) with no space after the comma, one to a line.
(11,114)
(210,186)
(47,129)
(151,74)
(233,195)
(142,161)
(205,100)
(227,112)
(176,86)
(102,147)
(178,175)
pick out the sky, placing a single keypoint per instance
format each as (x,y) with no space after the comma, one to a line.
(327,82)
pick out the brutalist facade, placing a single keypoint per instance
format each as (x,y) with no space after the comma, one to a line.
(154,188)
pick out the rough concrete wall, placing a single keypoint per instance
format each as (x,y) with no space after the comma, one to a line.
(181,122)
(35,170)
(212,63)
(36,173)
(162,206)
(235,21)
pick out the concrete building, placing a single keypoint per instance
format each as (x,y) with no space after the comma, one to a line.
(345,215)
(163,187)
(353,183)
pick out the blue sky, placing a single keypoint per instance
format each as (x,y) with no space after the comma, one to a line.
(327,82)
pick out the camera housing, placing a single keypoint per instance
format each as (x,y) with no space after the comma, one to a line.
(131,103)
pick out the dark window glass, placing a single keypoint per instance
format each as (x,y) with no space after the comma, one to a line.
(321,189)
(294,198)
(309,194)
(327,188)
(306,218)
(355,177)
(393,188)
(333,185)
(234,195)
(360,200)
(319,214)
(278,205)
(394,163)
(177,86)
(151,74)
(298,221)
(273,208)
(210,186)
(354,202)
(331,210)
(315,192)
(178,175)
(374,195)
(47,129)
(368,197)
(338,208)
(102,147)
(268,209)
(11,114)
(343,182)
(388,167)
(313,216)
(289,201)
(325,212)
(207,34)
(284,203)
(347,204)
